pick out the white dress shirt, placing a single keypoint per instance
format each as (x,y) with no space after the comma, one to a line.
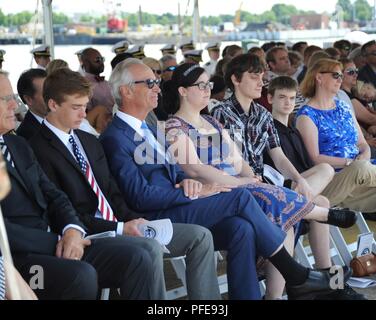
(64,138)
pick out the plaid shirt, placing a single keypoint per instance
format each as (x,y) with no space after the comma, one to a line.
(253,133)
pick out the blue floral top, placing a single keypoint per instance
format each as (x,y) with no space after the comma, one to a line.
(337,134)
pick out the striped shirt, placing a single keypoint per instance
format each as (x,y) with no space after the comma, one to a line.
(2,279)
(253,133)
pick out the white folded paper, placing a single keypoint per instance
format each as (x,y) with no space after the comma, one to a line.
(363,282)
(160,230)
(106,234)
(273,175)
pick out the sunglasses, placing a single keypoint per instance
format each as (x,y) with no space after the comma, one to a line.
(335,75)
(159,72)
(352,71)
(99,59)
(171,68)
(203,85)
(10,97)
(149,82)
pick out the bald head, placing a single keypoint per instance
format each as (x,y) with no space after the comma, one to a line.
(92,61)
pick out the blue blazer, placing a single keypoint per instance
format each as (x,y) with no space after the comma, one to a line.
(147,187)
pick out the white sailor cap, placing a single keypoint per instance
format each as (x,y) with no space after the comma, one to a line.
(2,53)
(120,47)
(196,55)
(169,49)
(213,46)
(187,46)
(42,50)
(137,51)
(79,52)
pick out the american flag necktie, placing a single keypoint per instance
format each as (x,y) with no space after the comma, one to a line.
(103,206)
(6,153)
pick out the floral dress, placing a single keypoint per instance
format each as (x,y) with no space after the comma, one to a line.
(282,206)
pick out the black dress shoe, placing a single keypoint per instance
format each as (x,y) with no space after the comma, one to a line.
(317,283)
(343,218)
(347,293)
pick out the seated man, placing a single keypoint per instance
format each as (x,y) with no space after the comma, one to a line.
(44,230)
(60,146)
(159,189)
(29,88)
(281,95)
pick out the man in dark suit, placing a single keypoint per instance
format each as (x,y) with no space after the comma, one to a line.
(154,186)
(66,94)
(29,88)
(46,235)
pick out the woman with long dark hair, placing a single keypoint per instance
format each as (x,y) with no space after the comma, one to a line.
(207,153)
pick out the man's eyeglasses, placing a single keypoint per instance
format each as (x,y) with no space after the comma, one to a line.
(203,85)
(10,97)
(149,82)
(171,68)
(335,75)
(158,72)
(99,59)
(372,53)
(352,71)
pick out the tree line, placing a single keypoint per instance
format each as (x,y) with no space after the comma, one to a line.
(360,10)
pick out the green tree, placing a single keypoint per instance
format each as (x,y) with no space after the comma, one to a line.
(59,18)
(347,8)
(283,12)
(363,10)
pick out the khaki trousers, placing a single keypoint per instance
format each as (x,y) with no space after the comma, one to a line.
(354,187)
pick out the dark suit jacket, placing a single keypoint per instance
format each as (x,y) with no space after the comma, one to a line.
(28,127)
(62,168)
(33,203)
(147,187)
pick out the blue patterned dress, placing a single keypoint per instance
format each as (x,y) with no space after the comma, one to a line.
(282,206)
(337,134)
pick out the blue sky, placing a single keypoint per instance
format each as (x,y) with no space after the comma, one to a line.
(207,7)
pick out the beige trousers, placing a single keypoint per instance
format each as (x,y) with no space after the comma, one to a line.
(354,187)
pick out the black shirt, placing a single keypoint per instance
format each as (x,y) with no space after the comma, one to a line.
(293,147)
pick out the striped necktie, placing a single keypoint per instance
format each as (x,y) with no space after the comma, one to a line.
(149,137)
(6,153)
(2,279)
(103,206)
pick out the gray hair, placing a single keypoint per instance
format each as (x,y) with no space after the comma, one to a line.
(165,58)
(121,76)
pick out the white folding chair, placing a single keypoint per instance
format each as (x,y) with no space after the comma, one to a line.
(346,249)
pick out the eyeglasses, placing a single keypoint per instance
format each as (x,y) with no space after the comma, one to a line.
(352,71)
(171,68)
(335,75)
(203,85)
(149,82)
(10,97)
(159,72)
(99,59)
(372,53)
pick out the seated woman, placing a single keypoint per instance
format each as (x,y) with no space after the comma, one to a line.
(365,117)
(207,153)
(332,135)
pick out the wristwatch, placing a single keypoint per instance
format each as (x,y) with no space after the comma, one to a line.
(348,162)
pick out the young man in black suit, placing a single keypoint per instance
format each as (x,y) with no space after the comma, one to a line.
(29,88)
(61,149)
(46,235)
